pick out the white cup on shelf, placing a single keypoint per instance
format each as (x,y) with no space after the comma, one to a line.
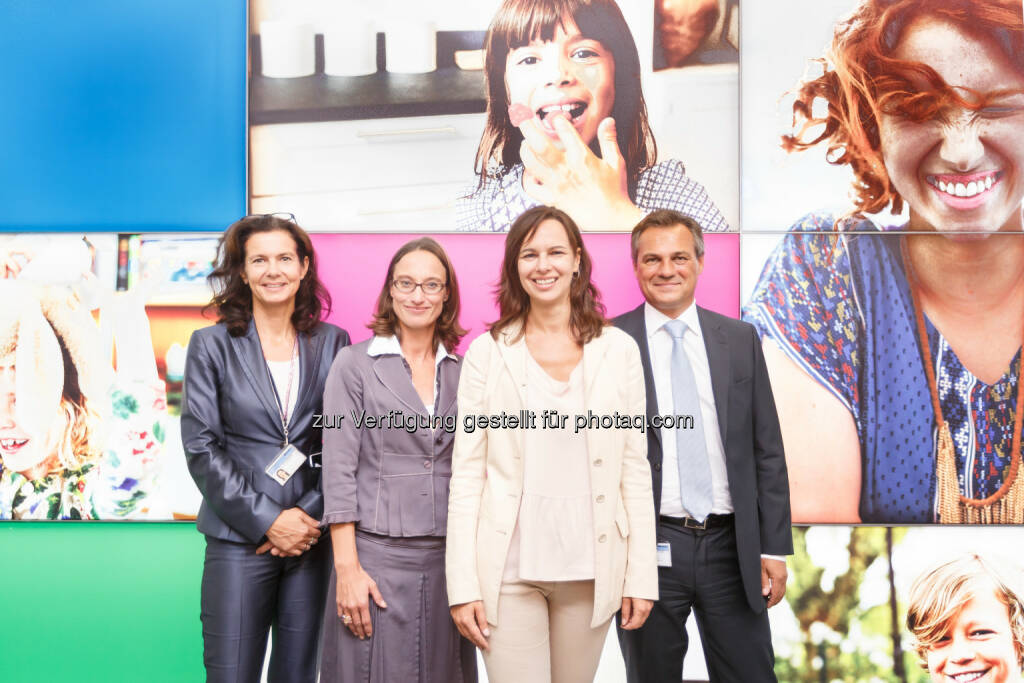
(411,46)
(350,48)
(287,49)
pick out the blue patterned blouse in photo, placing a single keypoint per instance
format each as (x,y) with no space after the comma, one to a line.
(839,305)
(502,199)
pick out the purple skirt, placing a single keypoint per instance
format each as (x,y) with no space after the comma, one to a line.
(414,639)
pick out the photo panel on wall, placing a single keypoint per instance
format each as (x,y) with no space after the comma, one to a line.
(895,361)
(99,328)
(457,116)
(901,604)
(906,111)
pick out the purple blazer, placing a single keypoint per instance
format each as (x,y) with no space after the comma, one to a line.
(390,478)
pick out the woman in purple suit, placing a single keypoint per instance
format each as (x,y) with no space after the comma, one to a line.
(389,418)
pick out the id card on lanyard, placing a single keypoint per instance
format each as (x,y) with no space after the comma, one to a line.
(287,461)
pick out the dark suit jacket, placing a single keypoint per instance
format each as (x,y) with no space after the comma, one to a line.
(231,429)
(754,459)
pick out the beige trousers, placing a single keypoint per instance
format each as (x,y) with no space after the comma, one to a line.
(544,635)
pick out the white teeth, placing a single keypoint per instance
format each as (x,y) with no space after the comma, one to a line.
(969,189)
(12,443)
(547,281)
(559,107)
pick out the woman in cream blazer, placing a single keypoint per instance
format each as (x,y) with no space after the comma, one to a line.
(513,571)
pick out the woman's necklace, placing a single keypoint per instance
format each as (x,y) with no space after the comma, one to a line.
(1005,506)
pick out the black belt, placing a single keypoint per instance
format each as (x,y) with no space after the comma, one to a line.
(712,521)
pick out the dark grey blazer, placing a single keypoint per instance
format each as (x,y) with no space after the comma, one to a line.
(388,480)
(231,429)
(754,460)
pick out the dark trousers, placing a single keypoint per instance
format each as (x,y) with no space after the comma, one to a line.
(245,595)
(704,576)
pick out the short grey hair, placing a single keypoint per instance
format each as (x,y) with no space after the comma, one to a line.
(667,218)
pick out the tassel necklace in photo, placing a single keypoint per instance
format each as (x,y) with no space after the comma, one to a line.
(1005,506)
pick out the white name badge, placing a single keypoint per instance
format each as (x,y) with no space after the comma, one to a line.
(286,463)
(664,555)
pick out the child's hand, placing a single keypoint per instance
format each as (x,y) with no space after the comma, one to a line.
(566,174)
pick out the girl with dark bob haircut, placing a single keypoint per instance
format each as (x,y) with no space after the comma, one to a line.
(232,296)
(580,142)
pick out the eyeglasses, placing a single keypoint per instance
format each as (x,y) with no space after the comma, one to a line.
(407,286)
(283,215)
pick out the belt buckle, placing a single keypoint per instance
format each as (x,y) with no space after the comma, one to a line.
(691,523)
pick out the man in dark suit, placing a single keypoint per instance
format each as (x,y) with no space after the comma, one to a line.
(721,491)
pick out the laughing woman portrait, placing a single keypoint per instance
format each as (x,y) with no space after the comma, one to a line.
(253,383)
(902,352)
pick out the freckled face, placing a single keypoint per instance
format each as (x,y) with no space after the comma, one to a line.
(978,647)
(965,171)
(547,262)
(418,309)
(569,75)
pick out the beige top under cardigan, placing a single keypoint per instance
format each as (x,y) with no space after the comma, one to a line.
(553,538)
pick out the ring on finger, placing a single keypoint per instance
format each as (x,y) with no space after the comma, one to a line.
(346,618)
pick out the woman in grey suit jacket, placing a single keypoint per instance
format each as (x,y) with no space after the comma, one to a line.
(253,384)
(389,415)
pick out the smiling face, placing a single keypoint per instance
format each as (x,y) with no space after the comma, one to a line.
(964,170)
(273,270)
(569,74)
(546,263)
(418,309)
(978,646)
(667,268)
(21,451)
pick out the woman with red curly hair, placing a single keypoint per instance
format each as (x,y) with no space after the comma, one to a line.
(903,352)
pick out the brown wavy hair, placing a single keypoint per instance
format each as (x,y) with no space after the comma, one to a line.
(861,81)
(587,313)
(446,328)
(517,23)
(232,298)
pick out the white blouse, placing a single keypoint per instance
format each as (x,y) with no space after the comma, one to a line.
(554,535)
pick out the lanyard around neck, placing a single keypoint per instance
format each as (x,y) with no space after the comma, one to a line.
(283,409)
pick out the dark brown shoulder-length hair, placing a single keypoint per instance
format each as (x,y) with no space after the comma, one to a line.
(587,313)
(862,81)
(232,298)
(446,329)
(517,23)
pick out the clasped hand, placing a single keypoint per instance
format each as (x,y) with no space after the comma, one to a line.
(567,175)
(292,533)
